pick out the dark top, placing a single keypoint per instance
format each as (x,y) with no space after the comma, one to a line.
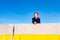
(35,20)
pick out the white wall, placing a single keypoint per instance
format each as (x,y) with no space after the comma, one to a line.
(39,28)
(6,29)
(30,28)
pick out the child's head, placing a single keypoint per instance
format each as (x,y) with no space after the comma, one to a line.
(36,14)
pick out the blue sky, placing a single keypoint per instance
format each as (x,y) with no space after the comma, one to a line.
(21,11)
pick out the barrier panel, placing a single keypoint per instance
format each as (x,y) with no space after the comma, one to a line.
(37,32)
(6,31)
(47,31)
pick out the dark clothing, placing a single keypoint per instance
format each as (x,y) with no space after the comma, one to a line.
(35,20)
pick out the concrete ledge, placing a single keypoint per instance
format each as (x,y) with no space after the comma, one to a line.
(47,28)
(6,29)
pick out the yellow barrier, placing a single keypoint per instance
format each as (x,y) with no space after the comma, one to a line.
(5,36)
(30,37)
(36,37)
